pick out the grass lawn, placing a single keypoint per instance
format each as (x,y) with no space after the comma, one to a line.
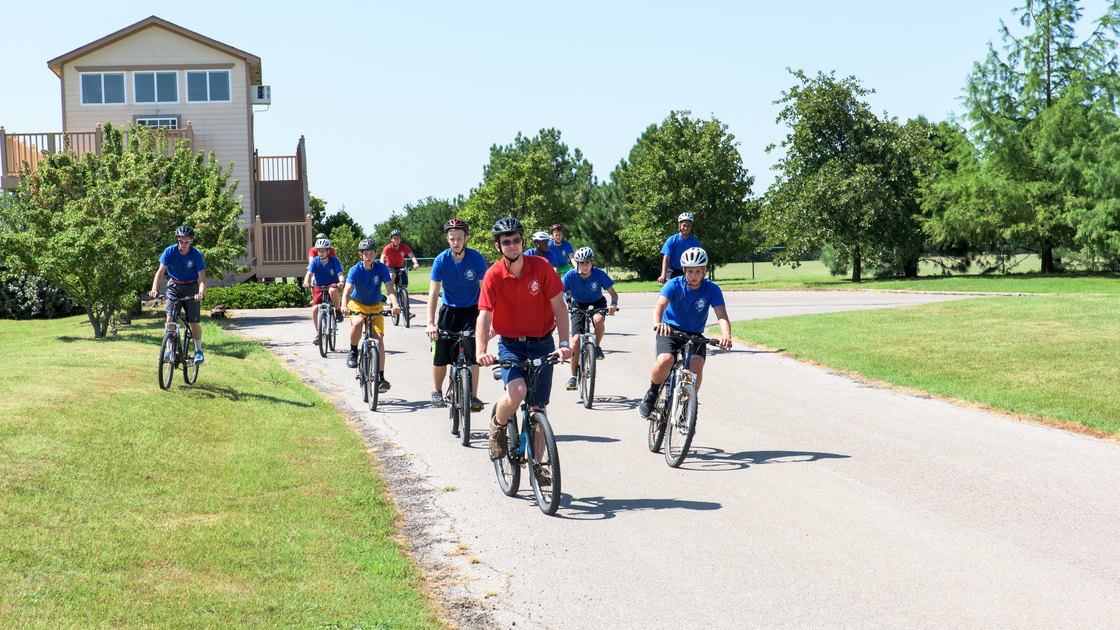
(1052,357)
(241,501)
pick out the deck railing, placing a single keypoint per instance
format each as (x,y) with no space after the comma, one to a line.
(279,243)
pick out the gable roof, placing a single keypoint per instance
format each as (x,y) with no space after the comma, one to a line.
(253,61)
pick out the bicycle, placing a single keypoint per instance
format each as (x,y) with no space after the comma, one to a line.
(400,287)
(459,387)
(673,418)
(326,323)
(539,455)
(585,374)
(171,353)
(369,362)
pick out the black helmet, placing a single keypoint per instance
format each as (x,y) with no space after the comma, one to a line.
(186,231)
(367,244)
(394,233)
(456,224)
(506,226)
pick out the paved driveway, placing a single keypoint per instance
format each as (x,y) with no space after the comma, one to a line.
(810,500)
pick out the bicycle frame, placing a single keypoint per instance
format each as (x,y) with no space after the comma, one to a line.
(460,406)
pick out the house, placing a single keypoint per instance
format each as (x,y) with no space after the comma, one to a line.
(157,73)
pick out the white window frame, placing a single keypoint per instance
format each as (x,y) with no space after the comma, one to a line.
(229,82)
(82,88)
(173,119)
(155,80)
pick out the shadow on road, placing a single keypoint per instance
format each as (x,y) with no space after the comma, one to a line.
(705,458)
(595,439)
(399,405)
(249,321)
(600,508)
(615,403)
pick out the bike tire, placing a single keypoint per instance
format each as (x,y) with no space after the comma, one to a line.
(323,328)
(374,378)
(451,403)
(507,468)
(464,398)
(363,374)
(404,308)
(657,419)
(681,426)
(190,368)
(167,363)
(334,331)
(548,497)
(587,368)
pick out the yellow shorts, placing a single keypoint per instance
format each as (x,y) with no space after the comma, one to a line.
(377,321)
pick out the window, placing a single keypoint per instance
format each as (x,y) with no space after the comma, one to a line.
(211,85)
(156,121)
(103,88)
(156,87)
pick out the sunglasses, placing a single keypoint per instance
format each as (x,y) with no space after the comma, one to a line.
(510,242)
(185,241)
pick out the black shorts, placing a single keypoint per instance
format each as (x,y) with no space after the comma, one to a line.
(672,344)
(579,320)
(400,276)
(193,308)
(454,319)
(673,273)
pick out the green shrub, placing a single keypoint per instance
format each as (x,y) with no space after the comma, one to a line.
(256,295)
(23,296)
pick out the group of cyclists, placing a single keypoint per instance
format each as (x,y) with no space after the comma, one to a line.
(522,300)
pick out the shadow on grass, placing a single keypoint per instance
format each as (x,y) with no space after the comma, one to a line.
(713,459)
(601,508)
(214,391)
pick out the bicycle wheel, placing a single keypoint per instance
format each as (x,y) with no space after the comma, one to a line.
(324,331)
(374,379)
(334,330)
(397,317)
(464,398)
(451,403)
(190,368)
(363,373)
(681,426)
(167,352)
(404,308)
(507,469)
(544,466)
(587,372)
(658,416)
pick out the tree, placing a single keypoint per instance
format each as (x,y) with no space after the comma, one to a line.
(1035,112)
(572,175)
(847,179)
(318,213)
(94,226)
(689,166)
(340,218)
(345,243)
(421,224)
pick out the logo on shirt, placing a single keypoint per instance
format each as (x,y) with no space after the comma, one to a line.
(700,304)
(470,274)
(190,264)
(594,286)
(535,287)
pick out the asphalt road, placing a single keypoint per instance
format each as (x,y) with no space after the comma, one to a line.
(809,500)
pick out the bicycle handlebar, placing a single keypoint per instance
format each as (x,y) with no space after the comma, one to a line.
(465,334)
(548,359)
(181,298)
(680,334)
(587,311)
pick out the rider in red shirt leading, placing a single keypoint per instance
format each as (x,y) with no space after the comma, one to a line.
(393,258)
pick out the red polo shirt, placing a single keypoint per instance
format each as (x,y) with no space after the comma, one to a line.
(522,307)
(395,257)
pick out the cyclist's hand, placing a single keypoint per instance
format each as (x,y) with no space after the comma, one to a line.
(565,353)
(345,311)
(725,343)
(611,310)
(487,360)
(661,279)
(415,266)
(305,285)
(433,332)
(396,310)
(153,293)
(662,329)
(199,295)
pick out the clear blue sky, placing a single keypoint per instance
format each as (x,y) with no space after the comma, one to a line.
(399,101)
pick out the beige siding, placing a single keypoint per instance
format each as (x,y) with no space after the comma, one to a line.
(219,127)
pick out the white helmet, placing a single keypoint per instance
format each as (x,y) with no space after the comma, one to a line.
(694,257)
(541,236)
(322,244)
(685,216)
(584,254)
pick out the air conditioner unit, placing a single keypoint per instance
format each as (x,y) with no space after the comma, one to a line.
(261,95)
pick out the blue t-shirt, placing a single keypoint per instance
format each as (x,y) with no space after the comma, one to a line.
(675,246)
(325,273)
(588,289)
(548,255)
(367,282)
(461,280)
(561,252)
(688,309)
(182,267)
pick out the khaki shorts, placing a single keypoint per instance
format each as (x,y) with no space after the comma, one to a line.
(377,322)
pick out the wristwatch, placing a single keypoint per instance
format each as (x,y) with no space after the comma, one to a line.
(564,344)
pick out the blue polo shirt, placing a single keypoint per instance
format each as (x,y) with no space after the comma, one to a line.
(460,280)
(548,255)
(588,289)
(688,309)
(675,246)
(561,252)
(367,282)
(182,267)
(325,273)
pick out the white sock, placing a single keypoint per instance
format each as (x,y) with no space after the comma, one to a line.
(198,345)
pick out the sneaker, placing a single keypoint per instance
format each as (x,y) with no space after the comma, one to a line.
(315,341)
(646,407)
(198,358)
(384,386)
(352,360)
(599,353)
(571,384)
(476,404)
(338,317)
(437,400)
(498,440)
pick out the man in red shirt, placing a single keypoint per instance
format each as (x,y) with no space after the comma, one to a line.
(521,299)
(393,258)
